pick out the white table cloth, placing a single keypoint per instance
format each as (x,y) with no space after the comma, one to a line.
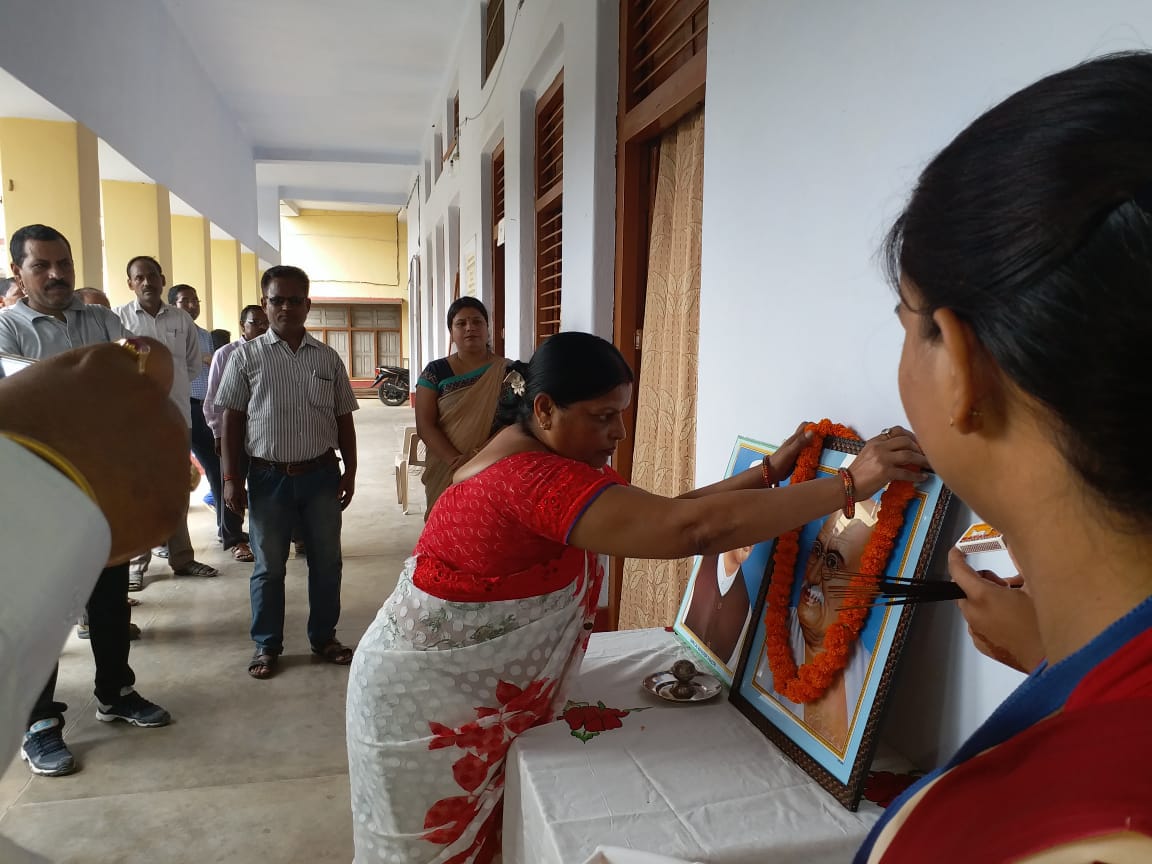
(694,782)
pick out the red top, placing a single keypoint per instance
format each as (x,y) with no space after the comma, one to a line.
(503,534)
(1083,772)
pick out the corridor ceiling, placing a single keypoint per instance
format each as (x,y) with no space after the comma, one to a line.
(334,97)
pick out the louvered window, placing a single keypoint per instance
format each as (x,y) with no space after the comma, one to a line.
(662,37)
(549,208)
(493,35)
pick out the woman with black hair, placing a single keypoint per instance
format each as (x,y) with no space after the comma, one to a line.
(456,397)
(491,615)
(1023,263)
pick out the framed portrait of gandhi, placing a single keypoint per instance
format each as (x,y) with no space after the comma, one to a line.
(811,684)
(716,610)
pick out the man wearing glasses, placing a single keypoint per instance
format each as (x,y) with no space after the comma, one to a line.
(288,406)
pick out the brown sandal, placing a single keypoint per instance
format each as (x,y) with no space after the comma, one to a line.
(243,552)
(263,665)
(333,652)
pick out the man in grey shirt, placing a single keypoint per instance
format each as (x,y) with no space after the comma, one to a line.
(149,315)
(50,320)
(287,407)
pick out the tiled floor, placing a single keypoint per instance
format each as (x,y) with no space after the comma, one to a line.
(249,772)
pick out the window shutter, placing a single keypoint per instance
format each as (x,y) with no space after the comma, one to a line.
(549,208)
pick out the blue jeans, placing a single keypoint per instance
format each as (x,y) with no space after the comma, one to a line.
(310,504)
(229,526)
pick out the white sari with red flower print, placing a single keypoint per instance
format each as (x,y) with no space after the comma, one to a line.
(437,693)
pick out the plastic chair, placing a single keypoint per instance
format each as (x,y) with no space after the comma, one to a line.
(410,457)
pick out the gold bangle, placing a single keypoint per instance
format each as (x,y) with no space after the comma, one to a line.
(54,458)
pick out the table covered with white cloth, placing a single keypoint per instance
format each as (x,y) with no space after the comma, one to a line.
(693,782)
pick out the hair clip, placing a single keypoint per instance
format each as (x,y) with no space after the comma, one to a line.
(516,381)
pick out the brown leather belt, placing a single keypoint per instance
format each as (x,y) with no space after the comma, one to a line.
(294,468)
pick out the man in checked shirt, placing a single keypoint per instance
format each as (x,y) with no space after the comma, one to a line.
(287,408)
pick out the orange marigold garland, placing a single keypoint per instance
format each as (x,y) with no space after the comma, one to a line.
(810,681)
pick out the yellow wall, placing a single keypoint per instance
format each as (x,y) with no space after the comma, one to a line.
(347,254)
(51,176)
(226,303)
(137,221)
(350,255)
(192,261)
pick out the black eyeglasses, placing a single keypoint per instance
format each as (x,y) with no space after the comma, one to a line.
(286,301)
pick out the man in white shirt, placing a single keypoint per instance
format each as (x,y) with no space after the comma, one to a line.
(837,549)
(721,607)
(148,315)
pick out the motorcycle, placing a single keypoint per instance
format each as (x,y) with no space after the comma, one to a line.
(393,384)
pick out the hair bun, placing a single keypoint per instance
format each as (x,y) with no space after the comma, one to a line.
(510,405)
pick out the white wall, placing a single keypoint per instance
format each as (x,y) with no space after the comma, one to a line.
(125,71)
(541,38)
(818,118)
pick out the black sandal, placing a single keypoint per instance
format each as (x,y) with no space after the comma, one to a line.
(333,652)
(263,665)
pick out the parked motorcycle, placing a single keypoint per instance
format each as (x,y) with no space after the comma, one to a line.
(393,384)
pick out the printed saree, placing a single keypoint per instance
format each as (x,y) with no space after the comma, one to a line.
(466,416)
(437,693)
(477,644)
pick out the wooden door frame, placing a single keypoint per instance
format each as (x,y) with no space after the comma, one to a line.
(637,131)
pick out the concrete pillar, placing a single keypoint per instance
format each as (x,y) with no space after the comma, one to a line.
(192,262)
(249,279)
(226,281)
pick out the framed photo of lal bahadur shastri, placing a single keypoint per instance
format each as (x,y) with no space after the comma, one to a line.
(826,720)
(716,610)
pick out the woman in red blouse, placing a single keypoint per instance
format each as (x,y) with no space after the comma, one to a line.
(492,612)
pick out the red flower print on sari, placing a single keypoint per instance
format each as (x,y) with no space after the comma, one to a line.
(480,771)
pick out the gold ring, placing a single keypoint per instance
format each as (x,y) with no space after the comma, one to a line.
(139,349)
(885,433)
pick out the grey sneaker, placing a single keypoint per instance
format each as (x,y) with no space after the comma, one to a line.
(133,708)
(45,751)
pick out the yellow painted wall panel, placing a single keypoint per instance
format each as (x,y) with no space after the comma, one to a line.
(359,256)
(192,261)
(50,176)
(226,303)
(137,221)
(249,279)
(348,254)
